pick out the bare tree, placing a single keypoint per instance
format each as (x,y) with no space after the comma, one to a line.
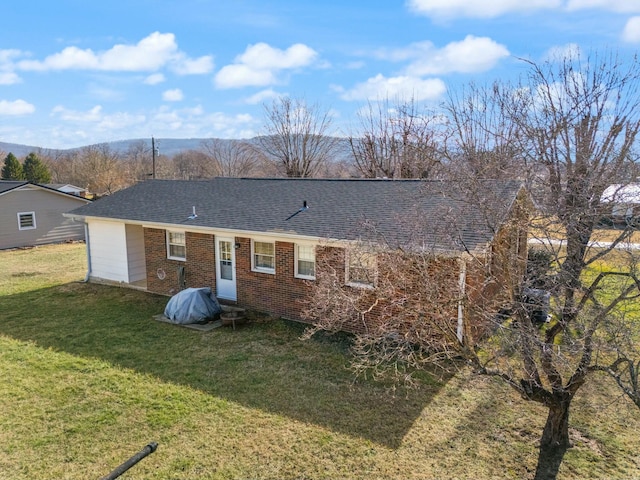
(194,165)
(573,122)
(100,169)
(482,140)
(297,137)
(139,162)
(233,158)
(580,119)
(396,141)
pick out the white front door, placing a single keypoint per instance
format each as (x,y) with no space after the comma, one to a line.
(225,268)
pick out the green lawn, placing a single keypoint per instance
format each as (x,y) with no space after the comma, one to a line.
(88,379)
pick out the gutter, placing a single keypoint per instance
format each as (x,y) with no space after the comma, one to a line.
(88,243)
(462,282)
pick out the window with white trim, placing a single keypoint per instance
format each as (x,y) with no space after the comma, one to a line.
(263,256)
(305,261)
(176,245)
(26,220)
(362,268)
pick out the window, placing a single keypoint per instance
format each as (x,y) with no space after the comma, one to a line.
(176,245)
(26,220)
(263,258)
(306,261)
(361,268)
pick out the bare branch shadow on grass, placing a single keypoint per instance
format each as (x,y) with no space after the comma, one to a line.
(264,365)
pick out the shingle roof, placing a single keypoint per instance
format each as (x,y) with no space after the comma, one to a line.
(422,213)
(6,185)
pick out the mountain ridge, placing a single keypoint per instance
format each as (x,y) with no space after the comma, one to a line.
(164,146)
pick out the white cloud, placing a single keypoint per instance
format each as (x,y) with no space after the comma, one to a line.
(105,93)
(7,55)
(95,121)
(622,6)
(379,87)
(149,54)
(631,32)
(493,8)
(477,9)
(9,78)
(473,54)
(559,52)
(16,107)
(93,115)
(95,125)
(174,95)
(7,67)
(120,122)
(263,56)
(241,125)
(262,96)
(193,66)
(236,76)
(261,63)
(194,122)
(154,79)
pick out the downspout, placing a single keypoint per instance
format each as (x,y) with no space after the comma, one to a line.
(86,239)
(462,283)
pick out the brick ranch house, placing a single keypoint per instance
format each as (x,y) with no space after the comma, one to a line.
(258,242)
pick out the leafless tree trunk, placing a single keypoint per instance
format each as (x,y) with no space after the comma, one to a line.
(297,137)
(396,141)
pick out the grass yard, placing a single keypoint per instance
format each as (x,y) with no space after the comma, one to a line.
(87,378)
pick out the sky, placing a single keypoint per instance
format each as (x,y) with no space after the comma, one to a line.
(79,72)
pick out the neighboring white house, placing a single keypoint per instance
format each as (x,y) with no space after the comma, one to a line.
(624,200)
(31,214)
(68,188)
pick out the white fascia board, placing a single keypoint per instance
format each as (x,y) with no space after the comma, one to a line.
(228,232)
(35,186)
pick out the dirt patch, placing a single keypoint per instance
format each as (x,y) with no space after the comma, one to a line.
(580,440)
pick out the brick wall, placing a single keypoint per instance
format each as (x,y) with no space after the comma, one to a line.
(199,267)
(284,295)
(281,294)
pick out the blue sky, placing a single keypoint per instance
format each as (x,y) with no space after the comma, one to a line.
(76,72)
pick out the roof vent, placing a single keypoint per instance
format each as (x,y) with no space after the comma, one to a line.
(193,215)
(304,207)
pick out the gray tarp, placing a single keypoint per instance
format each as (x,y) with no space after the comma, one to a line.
(192,305)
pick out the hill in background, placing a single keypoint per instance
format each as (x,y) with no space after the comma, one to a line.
(165,146)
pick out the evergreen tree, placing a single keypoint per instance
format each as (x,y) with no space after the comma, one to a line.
(12,169)
(35,170)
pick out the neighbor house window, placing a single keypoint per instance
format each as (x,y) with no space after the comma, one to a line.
(26,220)
(263,257)
(176,245)
(306,261)
(361,268)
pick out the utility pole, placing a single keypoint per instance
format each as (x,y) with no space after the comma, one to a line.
(153,156)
